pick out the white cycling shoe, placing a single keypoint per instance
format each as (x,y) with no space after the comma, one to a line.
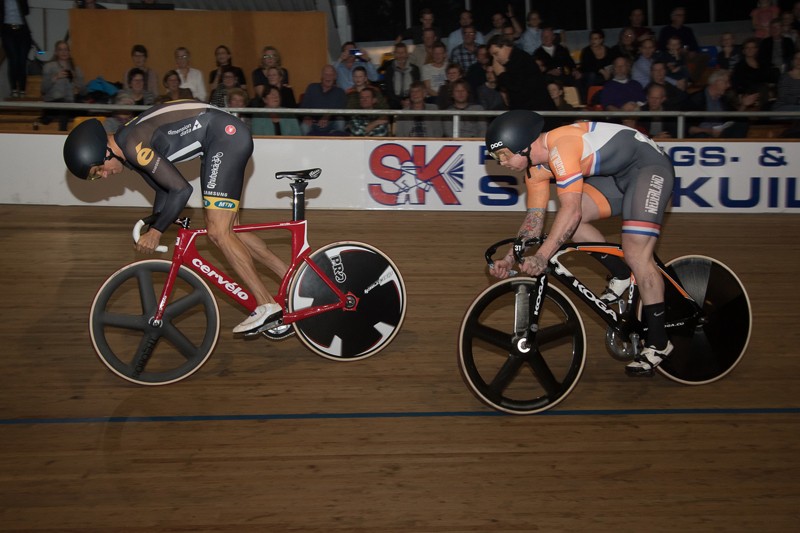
(263,317)
(615,289)
(648,359)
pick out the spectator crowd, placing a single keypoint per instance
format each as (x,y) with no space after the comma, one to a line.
(503,64)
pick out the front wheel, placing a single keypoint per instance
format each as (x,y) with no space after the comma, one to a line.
(710,345)
(132,346)
(500,369)
(364,330)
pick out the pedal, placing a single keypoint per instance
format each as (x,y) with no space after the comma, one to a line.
(265,326)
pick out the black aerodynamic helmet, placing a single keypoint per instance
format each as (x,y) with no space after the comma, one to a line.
(515,130)
(85,148)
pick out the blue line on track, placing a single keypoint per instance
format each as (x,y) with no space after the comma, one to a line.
(330,416)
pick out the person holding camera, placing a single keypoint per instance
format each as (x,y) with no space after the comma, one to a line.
(350,58)
(62,81)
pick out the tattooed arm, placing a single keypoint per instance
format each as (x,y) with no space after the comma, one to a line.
(538,195)
(564,225)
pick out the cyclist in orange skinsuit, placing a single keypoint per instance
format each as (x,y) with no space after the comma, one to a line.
(600,170)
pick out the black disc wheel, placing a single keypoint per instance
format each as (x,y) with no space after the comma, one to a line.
(709,345)
(372,318)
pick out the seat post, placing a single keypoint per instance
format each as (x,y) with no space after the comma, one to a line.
(298,199)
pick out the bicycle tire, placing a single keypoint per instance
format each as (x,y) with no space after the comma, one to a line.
(349,334)
(707,349)
(506,376)
(135,350)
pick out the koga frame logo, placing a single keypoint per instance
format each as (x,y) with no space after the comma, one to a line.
(408,176)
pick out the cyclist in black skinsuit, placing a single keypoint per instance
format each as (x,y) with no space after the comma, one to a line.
(170,133)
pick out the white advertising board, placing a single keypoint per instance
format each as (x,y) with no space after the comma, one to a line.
(440,175)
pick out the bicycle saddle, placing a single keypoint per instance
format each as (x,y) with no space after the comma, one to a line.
(308,174)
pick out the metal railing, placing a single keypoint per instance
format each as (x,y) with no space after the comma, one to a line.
(455,116)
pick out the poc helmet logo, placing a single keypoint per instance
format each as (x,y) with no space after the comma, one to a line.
(495,146)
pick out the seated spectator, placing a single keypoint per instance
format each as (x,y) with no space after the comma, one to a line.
(476,74)
(238,98)
(415,33)
(658,127)
(729,52)
(275,79)
(531,37)
(674,57)
(119,117)
(632,122)
(229,81)
(191,78)
(135,82)
(750,77)
(445,97)
(595,63)
(270,57)
(787,28)
(418,125)
(62,81)
(139,59)
(717,97)
(621,89)
(423,52)
(174,91)
(488,96)
(469,126)
(434,74)
(676,28)
(557,61)
(761,15)
(274,124)
(556,91)
(324,95)
(350,58)
(224,60)
(788,92)
(675,97)
(502,20)
(465,54)
(776,51)
(641,31)
(398,75)
(456,37)
(368,125)
(626,46)
(640,71)
(360,82)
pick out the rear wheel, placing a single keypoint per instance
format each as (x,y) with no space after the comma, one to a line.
(367,328)
(709,346)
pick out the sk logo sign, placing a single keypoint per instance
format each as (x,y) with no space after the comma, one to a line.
(409,177)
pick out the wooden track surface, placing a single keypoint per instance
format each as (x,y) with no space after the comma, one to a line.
(269,437)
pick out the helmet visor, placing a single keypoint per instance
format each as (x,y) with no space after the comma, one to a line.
(98,168)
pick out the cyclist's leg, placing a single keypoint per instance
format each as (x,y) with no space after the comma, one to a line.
(228,148)
(647,192)
(260,252)
(220,230)
(601,199)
